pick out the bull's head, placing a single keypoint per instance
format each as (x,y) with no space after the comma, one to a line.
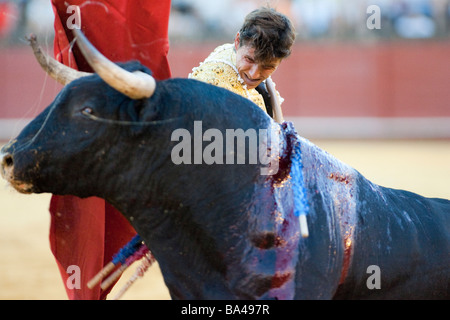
(72,136)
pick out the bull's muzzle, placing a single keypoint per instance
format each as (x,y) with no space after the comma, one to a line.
(7,172)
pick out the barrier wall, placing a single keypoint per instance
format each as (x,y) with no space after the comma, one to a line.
(347,80)
(394,90)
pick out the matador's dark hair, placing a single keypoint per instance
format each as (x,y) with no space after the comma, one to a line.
(271,33)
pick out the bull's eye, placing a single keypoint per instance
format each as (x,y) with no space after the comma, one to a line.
(87,110)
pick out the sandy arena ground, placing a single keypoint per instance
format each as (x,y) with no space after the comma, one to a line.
(28,270)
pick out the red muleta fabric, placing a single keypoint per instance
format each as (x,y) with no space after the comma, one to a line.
(87,232)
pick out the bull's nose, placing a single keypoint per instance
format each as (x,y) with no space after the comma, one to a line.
(7,163)
(7,160)
(7,171)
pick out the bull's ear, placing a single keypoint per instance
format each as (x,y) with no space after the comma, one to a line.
(129,111)
(147,111)
(140,113)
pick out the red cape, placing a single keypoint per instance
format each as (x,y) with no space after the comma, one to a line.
(87,232)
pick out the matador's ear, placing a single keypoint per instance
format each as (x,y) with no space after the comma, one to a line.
(237,41)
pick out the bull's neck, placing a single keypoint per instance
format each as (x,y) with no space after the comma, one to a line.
(203,223)
(202,247)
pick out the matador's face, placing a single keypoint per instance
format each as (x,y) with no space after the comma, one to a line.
(253,72)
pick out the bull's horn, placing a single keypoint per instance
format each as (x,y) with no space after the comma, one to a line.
(136,85)
(55,69)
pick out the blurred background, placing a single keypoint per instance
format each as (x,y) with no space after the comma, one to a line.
(343,80)
(376,98)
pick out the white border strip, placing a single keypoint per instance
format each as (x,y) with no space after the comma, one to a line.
(327,128)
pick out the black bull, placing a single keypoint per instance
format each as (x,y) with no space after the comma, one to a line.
(225,230)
